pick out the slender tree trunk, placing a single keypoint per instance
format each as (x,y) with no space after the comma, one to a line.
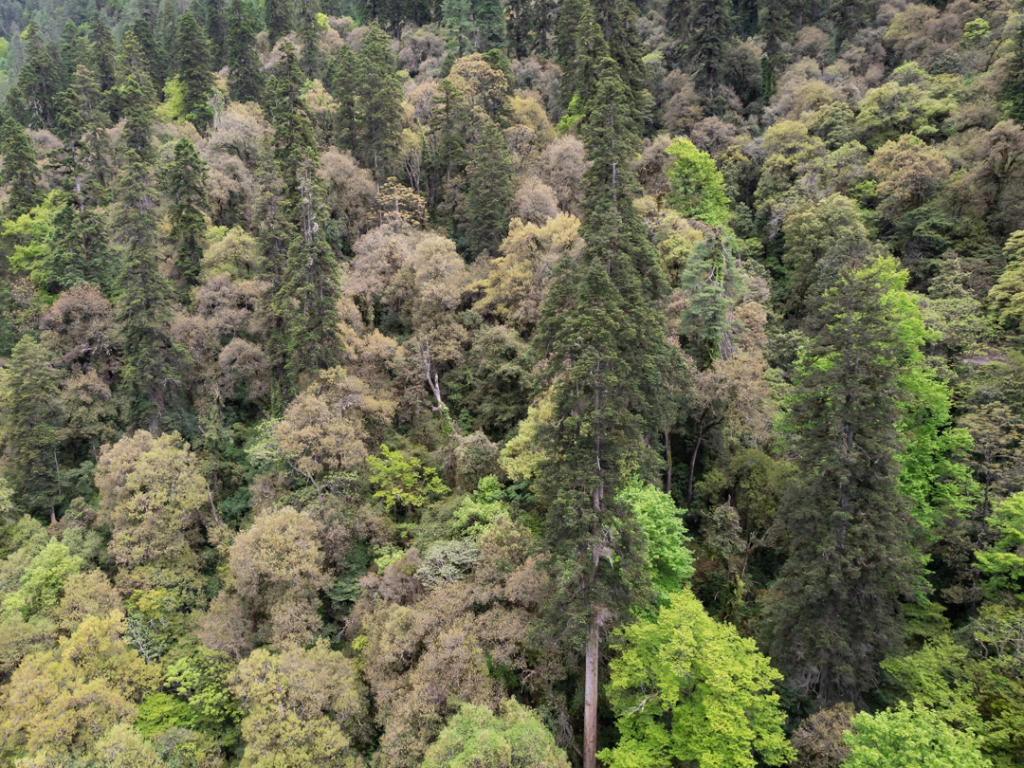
(590,698)
(668,461)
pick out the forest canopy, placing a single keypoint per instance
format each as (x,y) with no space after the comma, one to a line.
(422,383)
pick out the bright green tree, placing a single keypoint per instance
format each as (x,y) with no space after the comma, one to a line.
(697,189)
(477,737)
(40,585)
(689,690)
(910,737)
(669,561)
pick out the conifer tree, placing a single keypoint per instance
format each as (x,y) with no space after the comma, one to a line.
(305,334)
(138,116)
(103,52)
(245,79)
(457,18)
(278,19)
(776,25)
(488,25)
(1013,86)
(32,432)
(69,50)
(705,28)
(340,83)
(185,182)
(167,34)
(155,55)
(84,124)
(307,25)
(835,609)
(40,80)
(194,71)
(132,63)
(217,32)
(491,189)
(602,331)
(19,174)
(378,92)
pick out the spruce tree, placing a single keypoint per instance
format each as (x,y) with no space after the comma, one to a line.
(85,123)
(167,33)
(40,80)
(19,174)
(777,25)
(305,332)
(1013,86)
(185,182)
(194,72)
(245,79)
(278,19)
(154,54)
(378,95)
(603,334)
(340,83)
(104,52)
(835,610)
(217,32)
(32,432)
(706,30)
(488,25)
(491,186)
(307,26)
(144,297)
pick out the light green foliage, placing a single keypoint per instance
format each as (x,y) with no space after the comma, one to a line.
(403,482)
(910,737)
(1007,296)
(445,562)
(687,688)
(30,234)
(697,187)
(476,738)
(474,515)
(201,679)
(1003,562)
(42,582)
(669,561)
(160,711)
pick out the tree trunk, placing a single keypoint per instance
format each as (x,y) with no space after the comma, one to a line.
(590,698)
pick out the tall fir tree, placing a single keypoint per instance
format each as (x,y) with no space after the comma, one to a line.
(340,83)
(835,609)
(491,188)
(85,125)
(217,32)
(488,25)
(32,428)
(104,52)
(705,28)
(185,182)
(307,26)
(305,336)
(20,173)
(278,18)
(245,78)
(194,72)
(777,25)
(40,80)
(1013,85)
(167,34)
(155,56)
(602,332)
(378,92)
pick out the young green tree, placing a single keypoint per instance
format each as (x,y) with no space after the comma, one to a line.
(185,182)
(601,332)
(378,94)
(32,432)
(194,72)
(713,704)
(835,609)
(697,189)
(491,189)
(245,78)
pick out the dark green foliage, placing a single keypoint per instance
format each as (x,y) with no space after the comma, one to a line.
(103,52)
(1013,86)
(40,80)
(79,251)
(605,375)
(185,182)
(194,72)
(378,95)
(144,296)
(245,79)
(491,189)
(308,29)
(835,610)
(705,28)
(278,18)
(32,432)
(156,57)
(19,174)
(340,83)
(217,32)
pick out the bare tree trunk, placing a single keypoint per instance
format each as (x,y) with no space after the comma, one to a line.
(668,461)
(590,697)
